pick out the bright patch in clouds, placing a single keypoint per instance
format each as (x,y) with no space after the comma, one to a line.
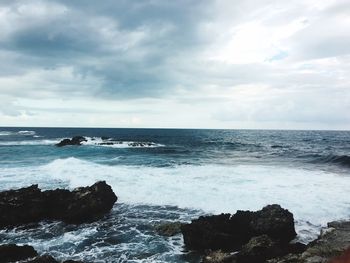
(213,64)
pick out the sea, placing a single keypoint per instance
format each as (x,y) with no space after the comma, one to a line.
(174,175)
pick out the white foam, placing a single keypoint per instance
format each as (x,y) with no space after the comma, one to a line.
(313,196)
(26,132)
(97,141)
(5,133)
(30,142)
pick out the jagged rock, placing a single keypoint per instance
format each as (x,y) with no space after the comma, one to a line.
(76,140)
(259,249)
(30,205)
(169,229)
(331,247)
(13,253)
(231,232)
(274,221)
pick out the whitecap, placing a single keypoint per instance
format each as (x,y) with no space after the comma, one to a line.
(312,196)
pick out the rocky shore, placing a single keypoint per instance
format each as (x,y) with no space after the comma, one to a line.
(31,205)
(262,236)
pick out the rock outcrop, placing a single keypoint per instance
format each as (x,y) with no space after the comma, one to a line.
(31,205)
(331,246)
(25,254)
(13,253)
(76,140)
(231,232)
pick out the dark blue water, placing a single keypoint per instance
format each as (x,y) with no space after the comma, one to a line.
(182,146)
(175,175)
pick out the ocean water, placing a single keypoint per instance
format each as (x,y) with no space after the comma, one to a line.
(176,175)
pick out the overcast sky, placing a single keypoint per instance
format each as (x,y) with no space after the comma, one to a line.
(189,64)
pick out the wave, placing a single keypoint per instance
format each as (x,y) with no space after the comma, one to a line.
(29,142)
(211,188)
(20,133)
(339,159)
(26,132)
(343,160)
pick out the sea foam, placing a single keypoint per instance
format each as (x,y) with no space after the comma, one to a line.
(314,197)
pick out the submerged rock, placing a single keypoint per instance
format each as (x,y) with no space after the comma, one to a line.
(169,229)
(76,140)
(30,205)
(231,232)
(13,253)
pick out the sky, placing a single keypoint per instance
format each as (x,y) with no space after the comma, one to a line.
(243,64)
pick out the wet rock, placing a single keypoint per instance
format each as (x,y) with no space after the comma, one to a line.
(43,259)
(259,249)
(13,253)
(76,140)
(30,205)
(169,229)
(219,256)
(140,144)
(25,205)
(106,143)
(228,232)
(331,246)
(343,258)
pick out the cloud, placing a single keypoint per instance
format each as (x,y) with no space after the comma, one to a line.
(220,63)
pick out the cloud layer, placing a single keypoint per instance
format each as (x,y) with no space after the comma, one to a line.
(155,63)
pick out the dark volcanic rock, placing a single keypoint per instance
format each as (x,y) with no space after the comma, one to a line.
(231,232)
(76,140)
(13,253)
(21,206)
(274,221)
(330,247)
(259,249)
(30,205)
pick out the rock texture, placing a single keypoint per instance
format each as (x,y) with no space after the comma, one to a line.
(13,253)
(332,246)
(231,232)
(76,140)
(25,254)
(31,205)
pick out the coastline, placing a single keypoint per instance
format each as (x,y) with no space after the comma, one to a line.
(256,237)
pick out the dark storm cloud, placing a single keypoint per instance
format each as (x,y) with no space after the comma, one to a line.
(125,45)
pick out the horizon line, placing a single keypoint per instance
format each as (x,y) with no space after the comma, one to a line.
(170,128)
